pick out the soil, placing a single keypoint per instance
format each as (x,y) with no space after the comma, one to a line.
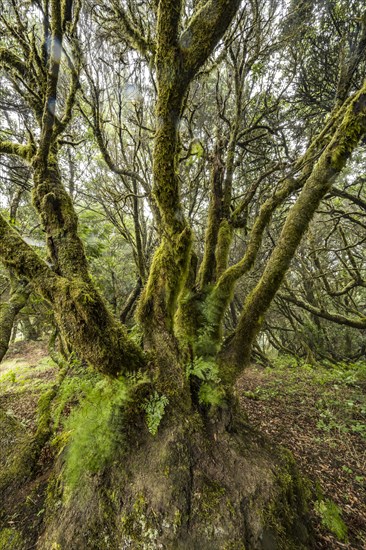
(320,416)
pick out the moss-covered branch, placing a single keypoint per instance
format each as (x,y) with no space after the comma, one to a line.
(359,323)
(350,130)
(47,137)
(8,311)
(25,152)
(16,255)
(131,33)
(178,59)
(80,311)
(223,291)
(205,29)
(206,274)
(59,220)
(11,61)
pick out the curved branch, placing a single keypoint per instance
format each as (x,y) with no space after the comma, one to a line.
(131,34)
(344,195)
(12,61)
(16,255)
(334,317)
(351,128)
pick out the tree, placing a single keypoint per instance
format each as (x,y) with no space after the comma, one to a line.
(204,463)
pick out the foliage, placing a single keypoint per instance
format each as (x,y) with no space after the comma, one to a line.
(342,404)
(207,371)
(154,407)
(95,429)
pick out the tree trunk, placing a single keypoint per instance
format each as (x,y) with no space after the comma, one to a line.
(202,483)
(8,312)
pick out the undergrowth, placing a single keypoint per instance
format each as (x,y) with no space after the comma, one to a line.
(341,403)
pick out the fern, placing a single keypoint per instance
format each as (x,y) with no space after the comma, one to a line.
(154,408)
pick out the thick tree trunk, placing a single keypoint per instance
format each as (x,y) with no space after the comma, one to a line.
(200,484)
(80,311)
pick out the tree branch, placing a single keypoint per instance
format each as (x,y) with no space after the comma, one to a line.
(25,152)
(16,255)
(130,33)
(205,29)
(334,317)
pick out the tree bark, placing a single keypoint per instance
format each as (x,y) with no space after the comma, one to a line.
(19,295)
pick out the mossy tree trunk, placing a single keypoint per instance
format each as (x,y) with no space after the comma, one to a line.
(178,58)
(86,323)
(19,294)
(351,127)
(81,313)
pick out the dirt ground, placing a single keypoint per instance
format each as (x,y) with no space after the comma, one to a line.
(320,416)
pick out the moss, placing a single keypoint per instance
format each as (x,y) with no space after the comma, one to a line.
(349,132)
(207,271)
(352,126)
(331,518)
(168,273)
(189,318)
(8,313)
(11,539)
(235,545)
(225,237)
(26,152)
(96,430)
(137,526)
(14,445)
(211,497)
(283,516)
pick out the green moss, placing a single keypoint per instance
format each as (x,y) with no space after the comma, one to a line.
(11,539)
(331,518)
(212,497)
(95,429)
(138,526)
(282,518)
(26,152)
(349,132)
(74,388)
(168,273)
(224,240)
(235,545)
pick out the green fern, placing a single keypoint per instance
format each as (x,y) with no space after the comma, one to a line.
(154,408)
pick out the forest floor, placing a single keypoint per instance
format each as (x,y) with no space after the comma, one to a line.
(318,413)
